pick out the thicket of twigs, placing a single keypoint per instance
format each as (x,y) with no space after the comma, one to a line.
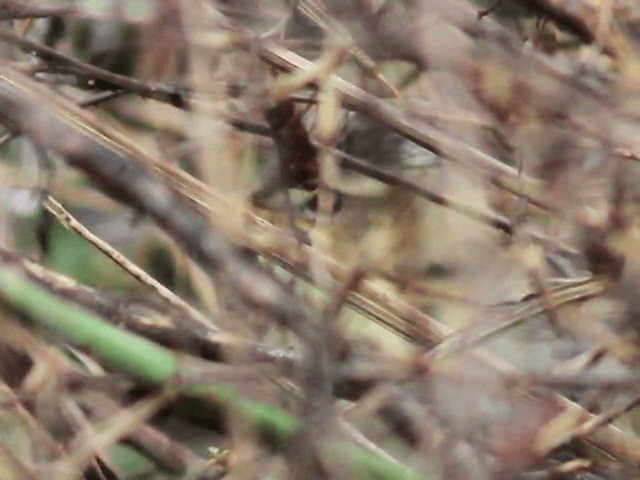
(320,239)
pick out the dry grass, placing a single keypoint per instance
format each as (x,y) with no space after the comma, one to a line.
(334,239)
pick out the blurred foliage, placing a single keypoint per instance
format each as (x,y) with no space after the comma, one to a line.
(419,272)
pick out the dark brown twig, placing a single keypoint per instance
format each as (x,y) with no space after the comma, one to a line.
(391,178)
(158,91)
(12,10)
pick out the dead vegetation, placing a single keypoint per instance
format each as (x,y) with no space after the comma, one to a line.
(320,239)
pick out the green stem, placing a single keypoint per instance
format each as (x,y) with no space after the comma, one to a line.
(155,364)
(119,349)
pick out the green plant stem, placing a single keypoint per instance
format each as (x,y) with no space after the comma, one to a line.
(155,364)
(119,349)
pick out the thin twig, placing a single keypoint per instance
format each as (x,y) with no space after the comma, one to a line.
(14,11)
(170,454)
(157,91)
(70,222)
(392,178)
(546,445)
(316,12)
(480,332)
